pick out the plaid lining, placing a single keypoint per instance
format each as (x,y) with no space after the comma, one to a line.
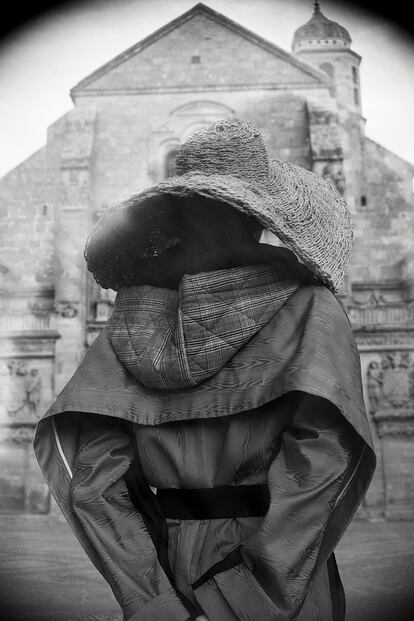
(172,339)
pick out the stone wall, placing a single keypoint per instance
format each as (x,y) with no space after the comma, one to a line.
(27,226)
(342,67)
(133,132)
(386,217)
(128,118)
(27,321)
(195,55)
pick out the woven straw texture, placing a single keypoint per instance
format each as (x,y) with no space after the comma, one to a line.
(228,161)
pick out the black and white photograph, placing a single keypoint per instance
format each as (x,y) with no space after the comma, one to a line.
(207,311)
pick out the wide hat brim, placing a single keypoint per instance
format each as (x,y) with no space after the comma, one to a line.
(304,210)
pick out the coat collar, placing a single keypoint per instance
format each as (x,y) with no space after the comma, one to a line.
(308,346)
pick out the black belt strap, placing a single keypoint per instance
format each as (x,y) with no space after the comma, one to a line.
(227,501)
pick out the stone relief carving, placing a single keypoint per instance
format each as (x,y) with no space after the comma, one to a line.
(374,385)
(398,376)
(390,382)
(390,386)
(381,314)
(332,171)
(22,392)
(368,299)
(67,309)
(372,341)
(40,307)
(20,434)
(44,347)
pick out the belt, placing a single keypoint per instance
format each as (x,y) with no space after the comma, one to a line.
(210,503)
(227,501)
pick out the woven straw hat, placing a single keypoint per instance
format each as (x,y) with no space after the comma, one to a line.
(228,161)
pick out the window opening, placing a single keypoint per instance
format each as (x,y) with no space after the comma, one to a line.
(356,97)
(169,162)
(355,75)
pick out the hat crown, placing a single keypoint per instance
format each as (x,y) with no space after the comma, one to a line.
(228,162)
(226,148)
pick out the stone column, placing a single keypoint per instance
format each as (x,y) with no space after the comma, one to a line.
(71,232)
(326,144)
(327,153)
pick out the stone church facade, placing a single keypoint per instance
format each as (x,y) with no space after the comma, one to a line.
(121,136)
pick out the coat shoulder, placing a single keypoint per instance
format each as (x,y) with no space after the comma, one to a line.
(323,305)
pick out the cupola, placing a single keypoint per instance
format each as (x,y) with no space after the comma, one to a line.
(326,45)
(320,32)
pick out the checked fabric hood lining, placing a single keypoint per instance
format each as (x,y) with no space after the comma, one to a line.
(169,339)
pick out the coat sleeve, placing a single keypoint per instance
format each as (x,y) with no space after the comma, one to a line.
(115,528)
(308,477)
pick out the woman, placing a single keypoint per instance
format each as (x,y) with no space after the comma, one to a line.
(228,382)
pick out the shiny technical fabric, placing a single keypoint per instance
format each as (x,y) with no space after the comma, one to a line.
(304,452)
(286,409)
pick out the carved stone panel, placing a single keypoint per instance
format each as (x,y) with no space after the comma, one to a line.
(332,171)
(67,309)
(21,392)
(28,347)
(390,388)
(377,340)
(25,390)
(388,379)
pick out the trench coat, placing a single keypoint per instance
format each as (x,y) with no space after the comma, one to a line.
(286,412)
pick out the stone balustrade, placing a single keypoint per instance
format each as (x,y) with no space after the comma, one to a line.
(16,323)
(390,315)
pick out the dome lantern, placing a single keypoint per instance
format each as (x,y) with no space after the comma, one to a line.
(320,32)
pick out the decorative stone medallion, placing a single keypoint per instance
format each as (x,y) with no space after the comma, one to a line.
(390,385)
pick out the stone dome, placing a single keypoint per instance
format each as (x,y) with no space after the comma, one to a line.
(322,28)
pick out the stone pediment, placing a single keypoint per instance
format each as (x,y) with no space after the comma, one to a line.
(200,50)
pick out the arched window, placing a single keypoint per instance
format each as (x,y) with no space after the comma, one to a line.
(169,162)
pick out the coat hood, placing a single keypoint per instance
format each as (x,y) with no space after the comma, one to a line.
(169,339)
